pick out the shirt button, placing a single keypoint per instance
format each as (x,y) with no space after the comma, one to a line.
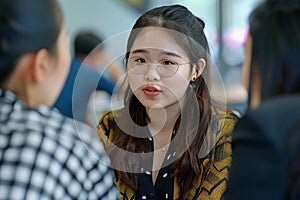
(151,196)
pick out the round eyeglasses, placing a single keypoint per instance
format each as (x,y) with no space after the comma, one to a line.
(164,68)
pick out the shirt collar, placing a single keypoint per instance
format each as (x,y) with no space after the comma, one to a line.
(9,97)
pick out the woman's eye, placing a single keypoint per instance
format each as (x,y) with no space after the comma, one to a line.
(140,60)
(167,62)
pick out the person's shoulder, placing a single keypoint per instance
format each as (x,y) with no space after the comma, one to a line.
(107,118)
(80,153)
(53,120)
(106,124)
(66,132)
(284,105)
(46,130)
(276,111)
(277,115)
(224,121)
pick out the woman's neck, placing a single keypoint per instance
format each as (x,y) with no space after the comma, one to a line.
(161,125)
(162,120)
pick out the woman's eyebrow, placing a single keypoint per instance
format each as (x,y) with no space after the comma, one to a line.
(140,51)
(168,53)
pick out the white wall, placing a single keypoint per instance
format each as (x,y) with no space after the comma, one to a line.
(105,17)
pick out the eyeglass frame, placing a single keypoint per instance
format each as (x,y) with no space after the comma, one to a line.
(157,65)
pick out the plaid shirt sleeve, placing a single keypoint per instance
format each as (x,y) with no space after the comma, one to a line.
(43,157)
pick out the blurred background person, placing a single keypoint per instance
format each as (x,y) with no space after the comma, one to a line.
(86,75)
(266,141)
(84,44)
(41,154)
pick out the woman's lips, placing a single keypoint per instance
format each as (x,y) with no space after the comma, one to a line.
(151,91)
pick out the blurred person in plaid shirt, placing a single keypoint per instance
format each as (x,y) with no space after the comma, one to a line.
(42,155)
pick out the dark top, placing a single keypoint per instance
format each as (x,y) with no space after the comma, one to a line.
(266,148)
(80,84)
(163,188)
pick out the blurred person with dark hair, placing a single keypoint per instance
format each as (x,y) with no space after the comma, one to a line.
(87,41)
(41,154)
(84,77)
(266,141)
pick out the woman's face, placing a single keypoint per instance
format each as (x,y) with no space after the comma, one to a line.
(151,86)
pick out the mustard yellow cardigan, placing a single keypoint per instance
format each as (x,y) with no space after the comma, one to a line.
(214,181)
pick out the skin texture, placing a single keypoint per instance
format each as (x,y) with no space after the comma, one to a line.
(37,74)
(155,44)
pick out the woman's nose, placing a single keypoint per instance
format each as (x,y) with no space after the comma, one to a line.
(152,73)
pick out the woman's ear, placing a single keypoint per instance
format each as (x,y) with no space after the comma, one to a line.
(41,66)
(198,69)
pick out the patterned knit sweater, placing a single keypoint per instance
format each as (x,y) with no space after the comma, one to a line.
(208,186)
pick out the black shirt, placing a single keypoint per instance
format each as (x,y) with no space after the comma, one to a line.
(164,185)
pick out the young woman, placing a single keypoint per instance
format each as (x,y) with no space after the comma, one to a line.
(170,141)
(266,141)
(41,155)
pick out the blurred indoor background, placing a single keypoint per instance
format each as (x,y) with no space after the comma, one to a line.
(226,19)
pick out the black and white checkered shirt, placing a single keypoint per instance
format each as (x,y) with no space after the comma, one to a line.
(43,157)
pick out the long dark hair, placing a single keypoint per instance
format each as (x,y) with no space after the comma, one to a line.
(189,33)
(25,27)
(274,28)
(293,157)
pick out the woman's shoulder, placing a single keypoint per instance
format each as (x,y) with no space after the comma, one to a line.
(106,124)
(224,121)
(107,119)
(218,158)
